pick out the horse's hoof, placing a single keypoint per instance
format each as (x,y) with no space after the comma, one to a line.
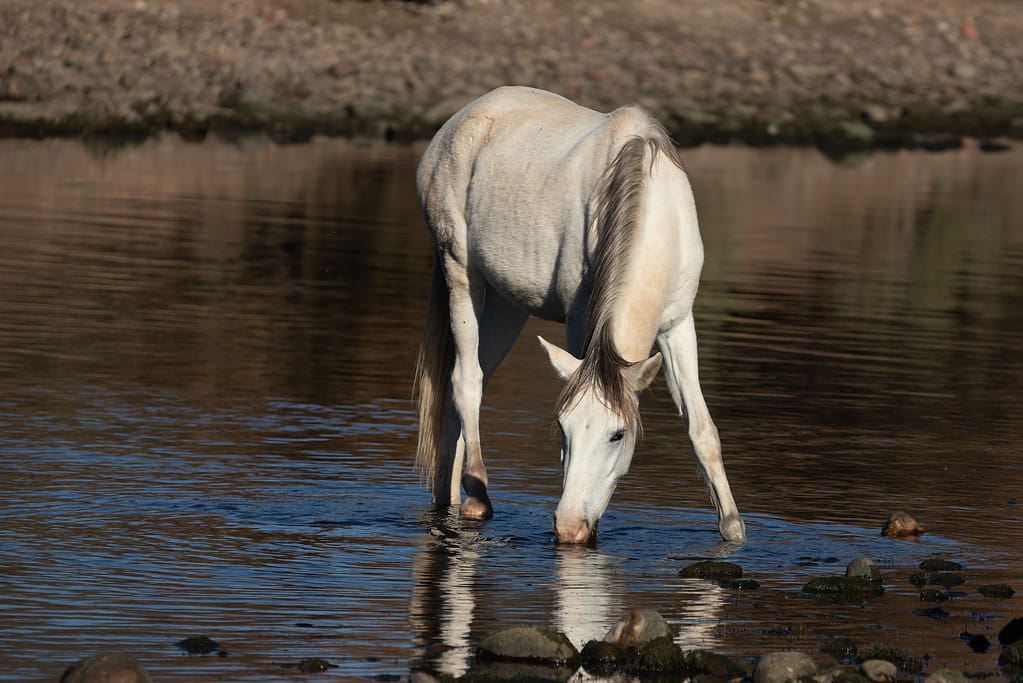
(733,529)
(475,508)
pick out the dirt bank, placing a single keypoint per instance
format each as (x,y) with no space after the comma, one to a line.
(826,72)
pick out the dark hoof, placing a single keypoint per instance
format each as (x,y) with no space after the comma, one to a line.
(476,508)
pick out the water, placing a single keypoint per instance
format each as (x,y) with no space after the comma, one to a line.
(205,422)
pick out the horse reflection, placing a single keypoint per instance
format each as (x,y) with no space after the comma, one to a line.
(589,597)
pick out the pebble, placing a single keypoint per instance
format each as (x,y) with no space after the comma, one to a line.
(636,628)
(879,670)
(783,667)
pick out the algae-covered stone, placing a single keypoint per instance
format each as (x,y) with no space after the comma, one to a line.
(701,662)
(946,579)
(879,670)
(528,644)
(198,645)
(946,676)
(1011,659)
(842,649)
(1001,591)
(889,654)
(637,627)
(743,584)
(865,567)
(918,579)
(1011,632)
(600,655)
(660,655)
(937,564)
(105,668)
(712,570)
(933,595)
(843,588)
(783,667)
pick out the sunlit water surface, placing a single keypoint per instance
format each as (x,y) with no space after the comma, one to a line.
(206,425)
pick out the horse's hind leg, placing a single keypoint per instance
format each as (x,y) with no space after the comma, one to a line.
(678,347)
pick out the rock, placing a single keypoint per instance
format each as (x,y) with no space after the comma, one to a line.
(1011,632)
(976,642)
(842,649)
(879,670)
(945,579)
(701,662)
(600,655)
(712,570)
(782,667)
(113,667)
(528,644)
(198,645)
(996,590)
(636,628)
(946,676)
(742,584)
(865,567)
(937,564)
(1011,659)
(932,613)
(843,588)
(934,595)
(889,654)
(918,579)
(856,134)
(660,655)
(901,525)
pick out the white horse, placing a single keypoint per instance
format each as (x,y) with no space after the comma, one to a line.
(540,206)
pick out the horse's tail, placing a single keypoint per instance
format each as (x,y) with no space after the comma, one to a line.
(433,371)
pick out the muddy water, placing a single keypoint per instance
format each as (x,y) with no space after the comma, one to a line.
(205,424)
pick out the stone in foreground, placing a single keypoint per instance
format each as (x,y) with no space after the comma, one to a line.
(528,644)
(783,667)
(637,628)
(112,667)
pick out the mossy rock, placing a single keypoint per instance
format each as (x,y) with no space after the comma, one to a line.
(842,649)
(660,655)
(934,595)
(702,662)
(891,654)
(843,588)
(1011,659)
(198,645)
(946,579)
(712,570)
(1002,591)
(936,564)
(918,579)
(601,656)
(528,644)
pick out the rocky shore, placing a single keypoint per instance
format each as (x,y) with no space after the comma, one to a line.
(824,72)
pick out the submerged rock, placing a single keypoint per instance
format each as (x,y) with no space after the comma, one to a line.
(712,570)
(602,656)
(528,644)
(782,667)
(937,564)
(996,590)
(843,588)
(703,663)
(111,667)
(976,642)
(842,649)
(198,645)
(946,579)
(901,525)
(638,627)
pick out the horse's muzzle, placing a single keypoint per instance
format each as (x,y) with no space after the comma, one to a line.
(572,530)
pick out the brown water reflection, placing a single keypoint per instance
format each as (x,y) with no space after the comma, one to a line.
(205,352)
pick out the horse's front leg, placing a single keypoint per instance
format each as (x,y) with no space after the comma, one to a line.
(678,347)
(466,303)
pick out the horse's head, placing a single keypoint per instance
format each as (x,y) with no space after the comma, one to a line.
(598,435)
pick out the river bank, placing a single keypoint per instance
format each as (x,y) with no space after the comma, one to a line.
(822,72)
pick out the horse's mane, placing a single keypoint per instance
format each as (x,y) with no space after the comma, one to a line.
(616,215)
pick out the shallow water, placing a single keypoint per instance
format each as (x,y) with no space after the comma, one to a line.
(205,354)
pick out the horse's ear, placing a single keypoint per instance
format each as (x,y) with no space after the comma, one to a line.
(564,363)
(641,374)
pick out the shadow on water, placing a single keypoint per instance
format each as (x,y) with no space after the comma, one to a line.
(206,426)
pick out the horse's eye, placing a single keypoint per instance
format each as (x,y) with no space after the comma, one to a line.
(618,436)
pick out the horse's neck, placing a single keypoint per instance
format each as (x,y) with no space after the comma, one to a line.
(658,264)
